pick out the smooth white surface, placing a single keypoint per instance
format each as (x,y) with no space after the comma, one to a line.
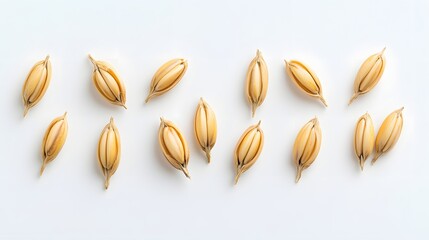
(147,198)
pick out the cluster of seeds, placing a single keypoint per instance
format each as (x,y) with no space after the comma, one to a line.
(173,143)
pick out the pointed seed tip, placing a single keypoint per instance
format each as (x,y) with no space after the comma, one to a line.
(355,95)
(186,172)
(361,164)
(322,99)
(42,169)
(26,110)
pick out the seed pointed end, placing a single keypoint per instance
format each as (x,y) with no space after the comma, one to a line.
(124,106)
(208,156)
(382,51)
(162,120)
(298,174)
(377,155)
(355,95)
(42,169)
(186,172)
(47,58)
(92,59)
(322,99)
(148,98)
(237,177)
(315,120)
(26,108)
(253,109)
(106,183)
(361,163)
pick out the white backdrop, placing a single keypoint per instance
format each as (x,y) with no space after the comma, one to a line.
(147,198)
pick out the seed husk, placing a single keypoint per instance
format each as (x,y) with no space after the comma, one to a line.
(307,146)
(205,127)
(256,82)
(364,139)
(305,79)
(109,151)
(248,149)
(388,134)
(174,146)
(36,84)
(54,139)
(108,83)
(166,77)
(369,74)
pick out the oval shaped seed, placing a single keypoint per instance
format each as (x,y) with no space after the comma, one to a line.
(205,127)
(364,138)
(107,82)
(166,77)
(306,146)
(256,82)
(388,134)
(54,139)
(36,84)
(248,149)
(174,146)
(369,74)
(109,151)
(305,79)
